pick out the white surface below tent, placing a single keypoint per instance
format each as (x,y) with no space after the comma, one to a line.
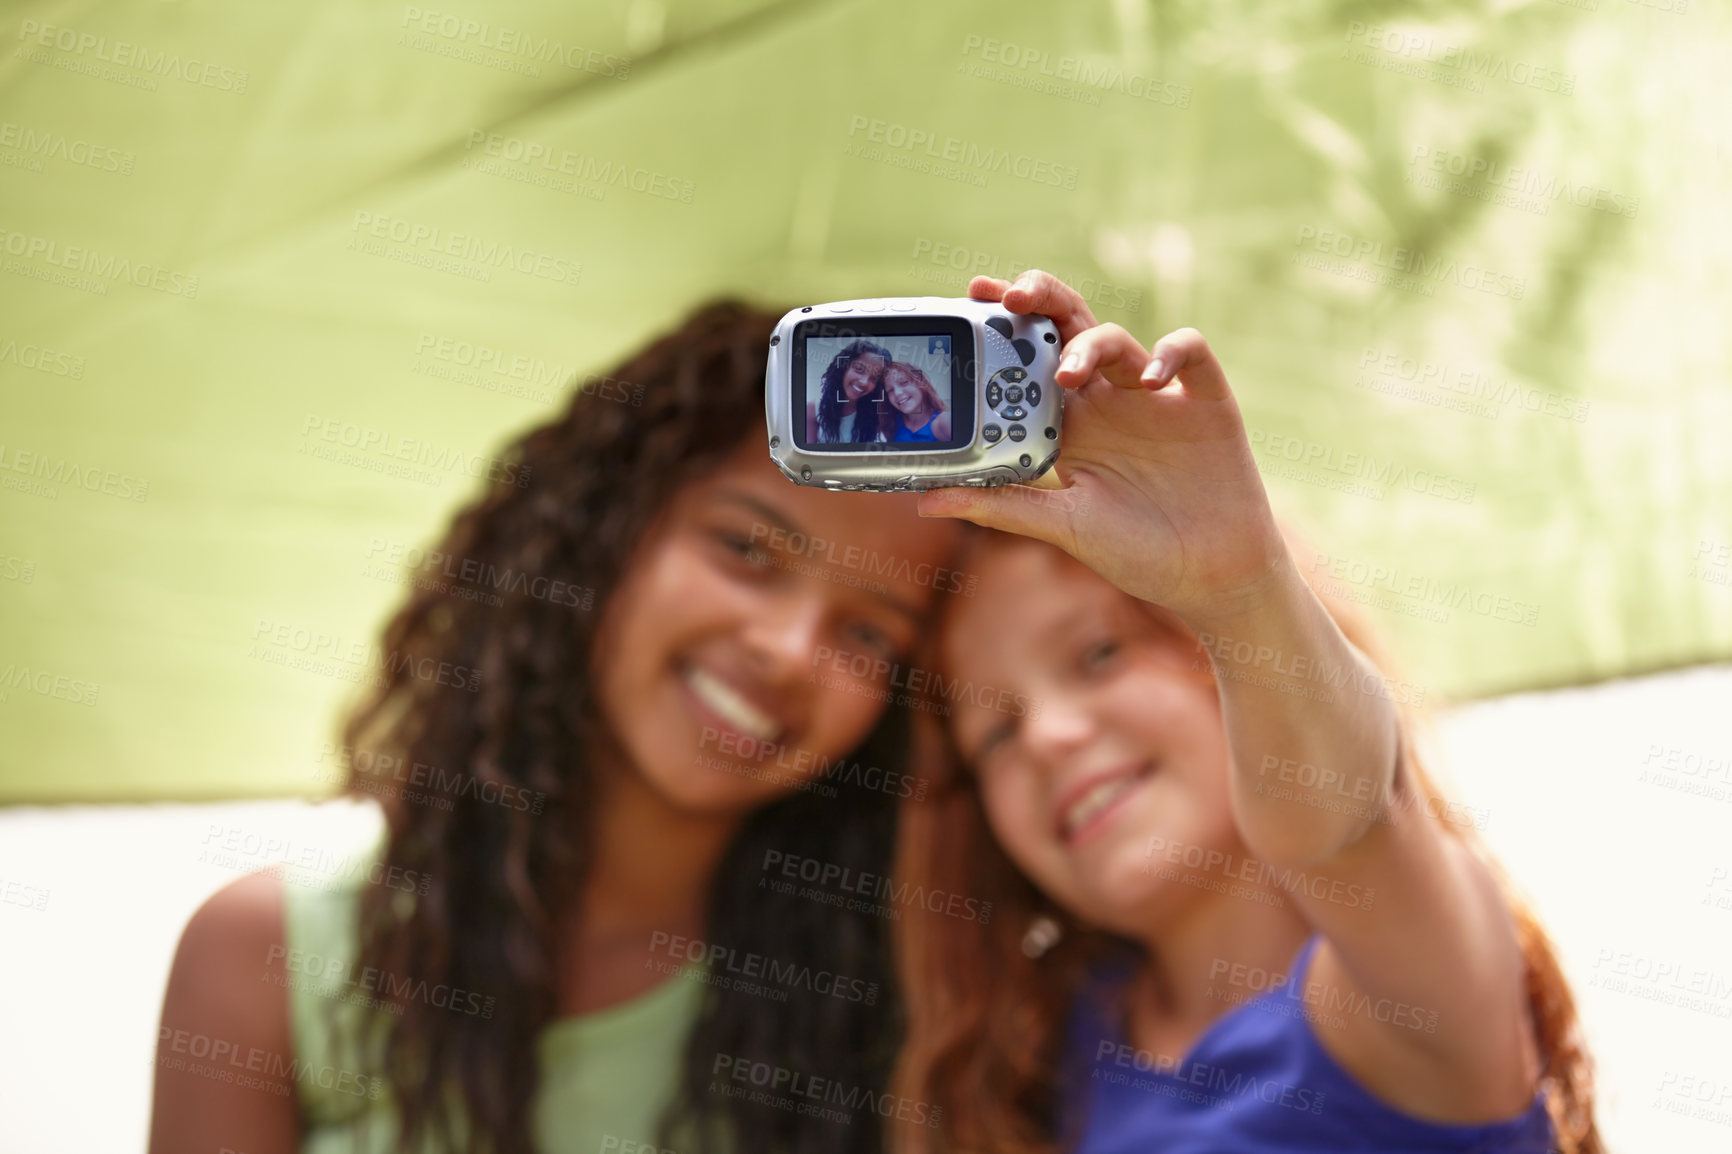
(1609,805)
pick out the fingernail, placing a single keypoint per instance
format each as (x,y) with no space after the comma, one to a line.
(1154,371)
(1070,363)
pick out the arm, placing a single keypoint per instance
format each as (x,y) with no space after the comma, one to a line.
(223,1004)
(1176,515)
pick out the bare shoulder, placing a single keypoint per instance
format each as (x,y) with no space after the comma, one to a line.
(224,1041)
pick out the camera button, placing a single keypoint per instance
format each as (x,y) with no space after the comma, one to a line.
(1017,432)
(841,308)
(870,306)
(1013,394)
(1013,374)
(903,306)
(1013,413)
(1032,392)
(992,433)
(994,394)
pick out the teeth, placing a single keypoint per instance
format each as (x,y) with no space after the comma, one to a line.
(733,708)
(1094,801)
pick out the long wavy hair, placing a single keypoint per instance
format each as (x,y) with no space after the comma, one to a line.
(503,874)
(934,403)
(871,415)
(985,1021)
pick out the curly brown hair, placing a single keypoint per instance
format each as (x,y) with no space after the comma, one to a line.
(503,877)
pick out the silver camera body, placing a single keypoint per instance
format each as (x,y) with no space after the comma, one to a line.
(910,393)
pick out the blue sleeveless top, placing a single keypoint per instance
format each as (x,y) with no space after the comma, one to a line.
(923,433)
(1256,1082)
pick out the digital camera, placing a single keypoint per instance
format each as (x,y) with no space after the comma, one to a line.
(911,393)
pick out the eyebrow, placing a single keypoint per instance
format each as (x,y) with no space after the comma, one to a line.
(770,513)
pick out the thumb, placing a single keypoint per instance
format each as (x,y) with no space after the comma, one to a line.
(1041,513)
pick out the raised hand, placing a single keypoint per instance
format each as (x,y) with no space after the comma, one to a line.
(1174,510)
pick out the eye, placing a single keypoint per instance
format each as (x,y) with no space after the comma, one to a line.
(747,550)
(874,639)
(1100,655)
(995,739)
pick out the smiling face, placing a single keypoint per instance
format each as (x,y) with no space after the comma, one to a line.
(862,376)
(1122,741)
(715,643)
(904,392)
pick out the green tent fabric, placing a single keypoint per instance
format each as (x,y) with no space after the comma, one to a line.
(277,283)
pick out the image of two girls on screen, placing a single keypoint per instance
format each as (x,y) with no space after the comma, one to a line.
(869,394)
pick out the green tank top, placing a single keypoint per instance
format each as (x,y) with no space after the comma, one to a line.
(605,1076)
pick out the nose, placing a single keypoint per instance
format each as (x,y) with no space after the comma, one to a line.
(1058,727)
(782,635)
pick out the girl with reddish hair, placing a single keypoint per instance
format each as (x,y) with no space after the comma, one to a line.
(1229,911)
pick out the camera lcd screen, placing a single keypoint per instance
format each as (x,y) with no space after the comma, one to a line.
(904,384)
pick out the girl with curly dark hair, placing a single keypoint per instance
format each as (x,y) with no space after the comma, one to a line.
(588,924)
(852,389)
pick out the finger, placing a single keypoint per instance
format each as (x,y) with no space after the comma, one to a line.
(1107,349)
(1040,292)
(987,288)
(1013,508)
(1184,354)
